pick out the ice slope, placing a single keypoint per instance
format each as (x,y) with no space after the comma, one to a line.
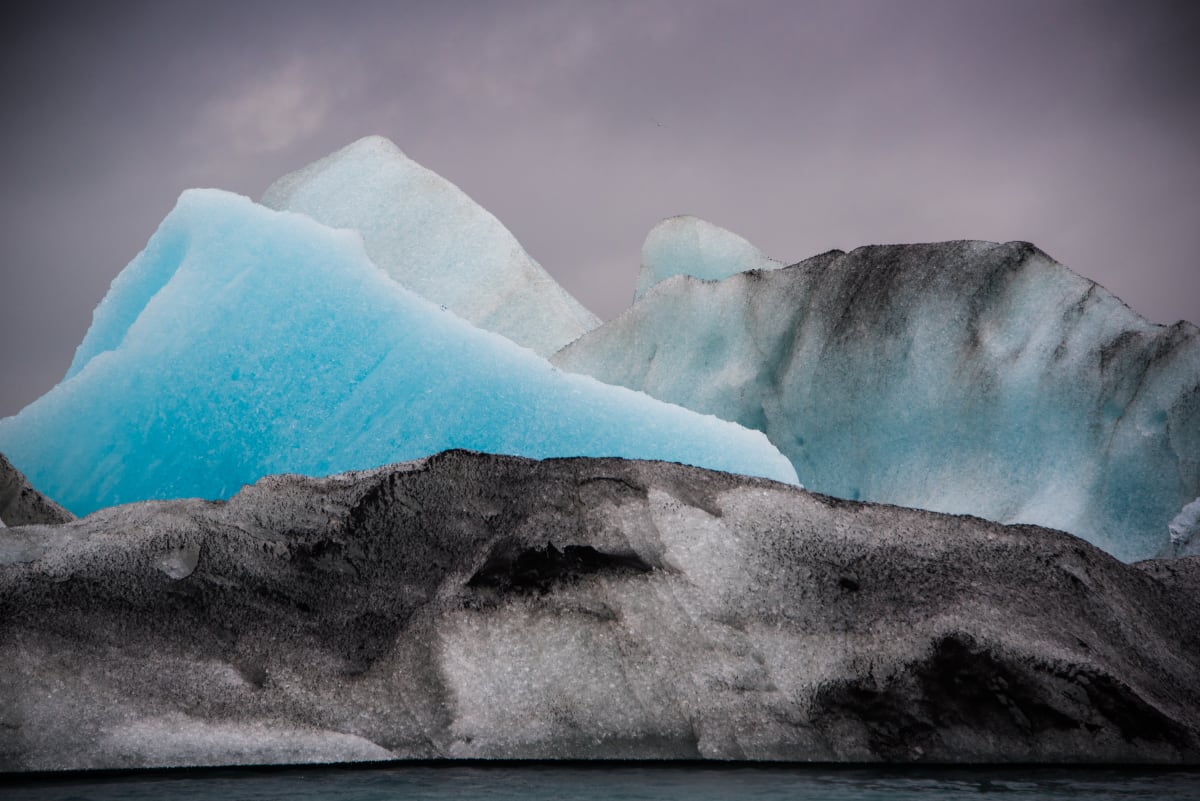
(428,235)
(244,341)
(476,606)
(688,245)
(21,504)
(964,377)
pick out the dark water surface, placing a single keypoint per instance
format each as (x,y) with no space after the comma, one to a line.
(616,782)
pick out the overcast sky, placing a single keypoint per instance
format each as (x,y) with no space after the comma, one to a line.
(803,126)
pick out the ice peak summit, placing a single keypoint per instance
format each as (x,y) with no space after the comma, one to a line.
(432,238)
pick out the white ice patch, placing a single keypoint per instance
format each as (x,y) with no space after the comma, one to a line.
(176,739)
(1186,525)
(178,563)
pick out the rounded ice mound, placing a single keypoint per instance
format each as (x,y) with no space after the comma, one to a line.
(244,342)
(432,238)
(688,245)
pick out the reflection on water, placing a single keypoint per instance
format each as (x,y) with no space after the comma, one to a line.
(617,782)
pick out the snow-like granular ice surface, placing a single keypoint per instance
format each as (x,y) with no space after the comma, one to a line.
(962,377)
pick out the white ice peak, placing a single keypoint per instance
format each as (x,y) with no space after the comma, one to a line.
(428,235)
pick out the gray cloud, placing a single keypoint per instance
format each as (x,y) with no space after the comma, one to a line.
(802,126)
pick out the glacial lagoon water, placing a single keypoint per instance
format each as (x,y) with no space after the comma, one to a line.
(618,782)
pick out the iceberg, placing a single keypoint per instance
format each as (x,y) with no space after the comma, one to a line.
(245,341)
(687,245)
(470,606)
(429,236)
(963,377)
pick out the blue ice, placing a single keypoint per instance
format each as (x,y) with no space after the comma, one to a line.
(245,341)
